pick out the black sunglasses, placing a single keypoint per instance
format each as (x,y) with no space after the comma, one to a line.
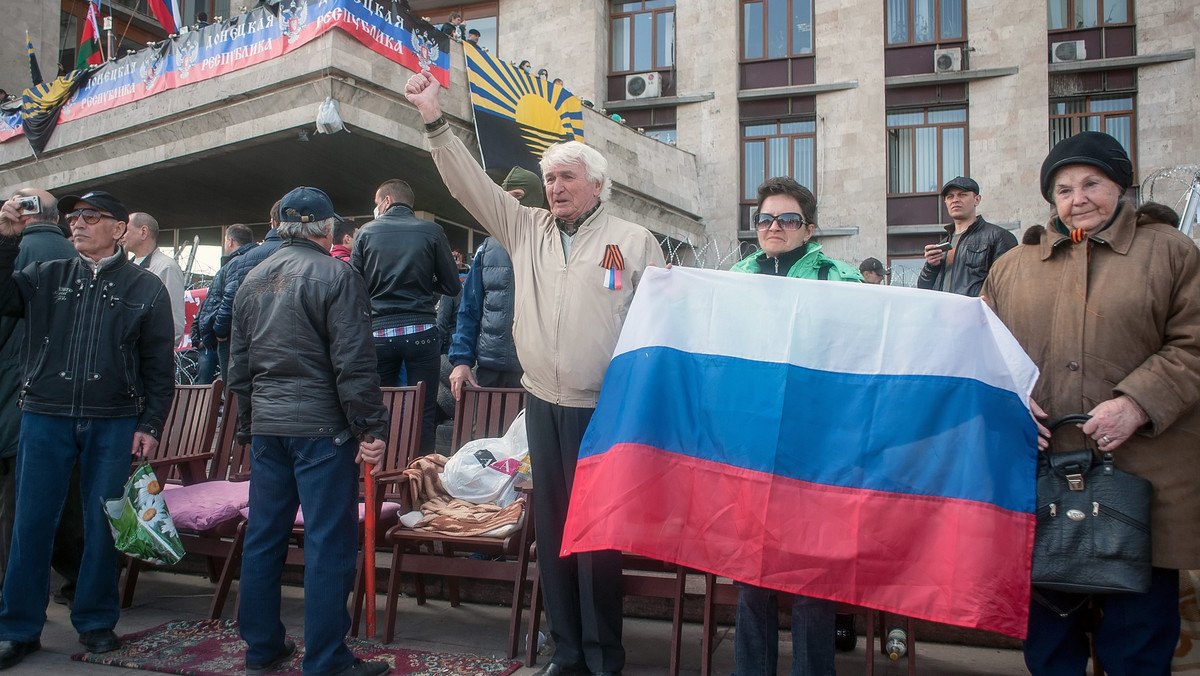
(788,221)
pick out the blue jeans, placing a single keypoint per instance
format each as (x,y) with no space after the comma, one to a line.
(420,355)
(47,452)
(223,359)
(1137,634)
(756,636)
(323,477)
(206,365)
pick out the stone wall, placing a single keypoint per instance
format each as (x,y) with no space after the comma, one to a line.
(1008,116)
(851,128)
(1168,99)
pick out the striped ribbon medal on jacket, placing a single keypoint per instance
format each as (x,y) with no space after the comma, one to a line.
(613,264)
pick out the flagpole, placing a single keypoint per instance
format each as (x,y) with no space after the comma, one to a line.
(108,24)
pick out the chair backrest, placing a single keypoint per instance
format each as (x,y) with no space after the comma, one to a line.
(186,444)
(232,460)
(404,406)
(485,412)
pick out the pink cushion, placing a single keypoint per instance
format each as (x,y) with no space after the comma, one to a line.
(386,513)
(206,505)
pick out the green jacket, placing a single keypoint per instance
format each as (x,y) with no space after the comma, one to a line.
(808,267)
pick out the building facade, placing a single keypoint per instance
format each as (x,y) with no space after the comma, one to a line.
(873,104)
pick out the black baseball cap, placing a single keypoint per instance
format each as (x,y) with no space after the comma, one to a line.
(962,183)
(100,199)
(872,265)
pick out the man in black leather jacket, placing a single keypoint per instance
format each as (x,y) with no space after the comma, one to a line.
(974,244)
(97,383)
(302,364)
(405,261)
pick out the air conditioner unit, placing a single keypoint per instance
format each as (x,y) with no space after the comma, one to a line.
(947,60)
(642,85)
(1061,52)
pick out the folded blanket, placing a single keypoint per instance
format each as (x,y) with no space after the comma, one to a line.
(451,516)
(447,515)
(425,479)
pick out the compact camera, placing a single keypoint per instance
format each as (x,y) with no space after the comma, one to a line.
(29,205)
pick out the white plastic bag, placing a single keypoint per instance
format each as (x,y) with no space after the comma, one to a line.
(329,118)
(487,470)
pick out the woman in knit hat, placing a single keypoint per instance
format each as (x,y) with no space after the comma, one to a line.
(1109,310)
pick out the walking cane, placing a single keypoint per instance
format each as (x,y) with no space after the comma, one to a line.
(369,545)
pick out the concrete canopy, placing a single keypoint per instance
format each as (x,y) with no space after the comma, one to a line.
(222,150)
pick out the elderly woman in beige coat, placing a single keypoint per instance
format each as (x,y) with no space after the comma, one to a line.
(1109,309)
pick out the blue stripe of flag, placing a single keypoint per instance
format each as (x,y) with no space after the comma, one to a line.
(921,435)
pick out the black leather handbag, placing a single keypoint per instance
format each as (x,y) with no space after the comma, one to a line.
(1093,523)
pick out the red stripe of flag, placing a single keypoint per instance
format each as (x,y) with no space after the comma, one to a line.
(946,560)
(163,13)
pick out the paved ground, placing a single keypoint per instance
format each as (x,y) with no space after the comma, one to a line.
(482,629)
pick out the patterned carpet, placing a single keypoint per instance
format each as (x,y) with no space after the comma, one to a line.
(213,648)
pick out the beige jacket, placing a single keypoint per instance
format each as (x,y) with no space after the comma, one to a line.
(565,322)
(1124,320)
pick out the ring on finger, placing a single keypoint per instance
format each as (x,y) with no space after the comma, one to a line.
(1105,439)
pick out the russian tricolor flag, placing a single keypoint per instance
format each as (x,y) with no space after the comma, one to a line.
(865,444)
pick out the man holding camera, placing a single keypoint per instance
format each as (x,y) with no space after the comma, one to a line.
(96,386)
(42,240)
(960,263)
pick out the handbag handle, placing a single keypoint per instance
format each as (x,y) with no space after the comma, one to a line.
(1073,418)
(1079,418)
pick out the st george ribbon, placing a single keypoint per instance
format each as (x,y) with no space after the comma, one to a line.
(864,444)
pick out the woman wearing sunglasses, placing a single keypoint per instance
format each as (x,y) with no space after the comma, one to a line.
(785,220)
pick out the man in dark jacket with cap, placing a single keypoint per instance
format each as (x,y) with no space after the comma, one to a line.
(97,383)
(960,263)
(302,363)
(484,331)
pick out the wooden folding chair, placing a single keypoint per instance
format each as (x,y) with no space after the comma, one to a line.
(480,413)
(405,406)
(184,452)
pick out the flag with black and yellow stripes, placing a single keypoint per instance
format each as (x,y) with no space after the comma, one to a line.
(41,104)
(517,115)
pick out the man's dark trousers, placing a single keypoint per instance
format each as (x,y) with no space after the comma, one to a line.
(582,595)
(49,447)
(487,377)
(1136,636)
(321,475)
(420,356)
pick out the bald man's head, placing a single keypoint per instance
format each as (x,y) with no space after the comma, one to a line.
(141,237)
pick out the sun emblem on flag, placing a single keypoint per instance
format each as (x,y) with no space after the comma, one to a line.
(293,20)
(426,49)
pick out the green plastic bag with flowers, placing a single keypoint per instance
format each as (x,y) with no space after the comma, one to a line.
(140,524)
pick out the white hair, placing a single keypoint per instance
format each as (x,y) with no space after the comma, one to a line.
(310,230)
(573,152)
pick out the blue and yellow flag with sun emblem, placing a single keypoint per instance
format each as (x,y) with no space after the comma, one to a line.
(517,115)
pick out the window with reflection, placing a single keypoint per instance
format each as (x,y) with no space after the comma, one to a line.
(778,148)
(1113,115)
(1075,14)
(643,35)
(926,148)
(914,22)
(776,29)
